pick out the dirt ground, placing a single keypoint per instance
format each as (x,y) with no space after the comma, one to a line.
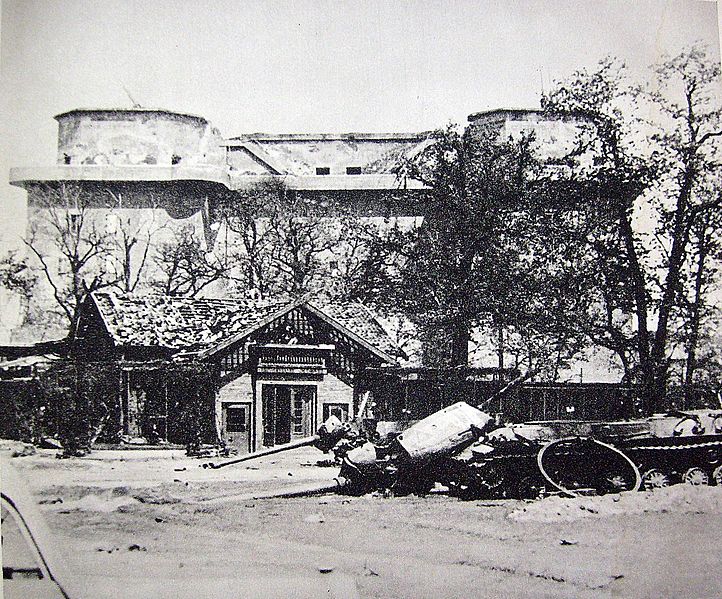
(126,514)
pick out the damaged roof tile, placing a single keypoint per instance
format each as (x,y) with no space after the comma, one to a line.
(192,324)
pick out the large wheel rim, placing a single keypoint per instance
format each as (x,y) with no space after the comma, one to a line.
(557,485)
(492,477)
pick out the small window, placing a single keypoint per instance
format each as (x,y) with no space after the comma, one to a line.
(66,158)
(323,170)
(175,159)
(236,419)
(75,223)
(353,170)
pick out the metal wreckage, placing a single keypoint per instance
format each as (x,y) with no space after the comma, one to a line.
(472,455)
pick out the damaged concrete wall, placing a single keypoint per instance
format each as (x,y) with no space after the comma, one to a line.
(137,137)
(152,227)
(555,135)
(303,154)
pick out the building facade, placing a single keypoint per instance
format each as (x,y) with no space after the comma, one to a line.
(279,367)
(174,170)
(178,162)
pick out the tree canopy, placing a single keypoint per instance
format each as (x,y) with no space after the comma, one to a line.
(654,168)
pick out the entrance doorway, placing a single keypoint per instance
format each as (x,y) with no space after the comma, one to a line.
(288,413)
(237,426)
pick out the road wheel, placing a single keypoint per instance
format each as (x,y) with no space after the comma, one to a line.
(492,476)
(655,479)
(717,476)
(696,477)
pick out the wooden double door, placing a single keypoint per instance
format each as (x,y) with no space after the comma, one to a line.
(288,413)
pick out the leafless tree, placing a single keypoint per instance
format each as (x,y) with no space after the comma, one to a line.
(184,265)
(133,239)
(69,246)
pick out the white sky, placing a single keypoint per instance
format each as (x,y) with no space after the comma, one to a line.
(308,65)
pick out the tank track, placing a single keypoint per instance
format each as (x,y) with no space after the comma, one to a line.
(511,470)
(694,460)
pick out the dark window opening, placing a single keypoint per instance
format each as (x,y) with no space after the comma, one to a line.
(66,158)
(236,420)
(323,170)
(175,159)
(353,170)
(75,223)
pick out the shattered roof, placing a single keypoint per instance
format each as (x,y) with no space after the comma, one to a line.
(194,324)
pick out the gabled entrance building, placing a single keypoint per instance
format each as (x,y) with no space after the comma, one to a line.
(280,366)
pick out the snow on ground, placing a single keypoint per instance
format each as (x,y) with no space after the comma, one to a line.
(141,514)
(679,499)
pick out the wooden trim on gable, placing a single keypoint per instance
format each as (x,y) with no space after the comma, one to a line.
(302,302)
(349,333)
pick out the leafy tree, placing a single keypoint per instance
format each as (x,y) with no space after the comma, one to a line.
(15,275)
(644,171)
(699,281)
(493,252)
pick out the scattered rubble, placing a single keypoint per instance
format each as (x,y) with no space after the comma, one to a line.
(17,449)
(50,443)
(50,501)
(103,503)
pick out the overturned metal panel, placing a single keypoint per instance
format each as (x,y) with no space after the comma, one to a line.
(445,431)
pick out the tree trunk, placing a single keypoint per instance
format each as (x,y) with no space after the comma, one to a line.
(696,316)
(127,275)
(680,239)
(460,343)
(646,364)
(500,350)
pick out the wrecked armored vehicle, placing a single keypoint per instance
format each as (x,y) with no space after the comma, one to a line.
(467,452)
(527,460)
